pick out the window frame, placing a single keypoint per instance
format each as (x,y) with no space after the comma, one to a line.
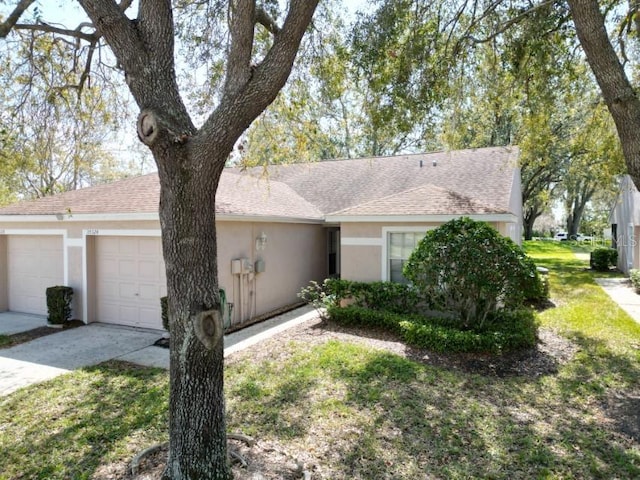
(386,244)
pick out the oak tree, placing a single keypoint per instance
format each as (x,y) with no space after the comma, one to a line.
(618,91)
(190,159)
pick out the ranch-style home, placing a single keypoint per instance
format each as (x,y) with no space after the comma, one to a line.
(356,218)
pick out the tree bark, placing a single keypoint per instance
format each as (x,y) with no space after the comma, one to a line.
(620,96)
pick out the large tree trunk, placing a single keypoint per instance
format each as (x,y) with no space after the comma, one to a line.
(198,445)
(190,162)
(619,95)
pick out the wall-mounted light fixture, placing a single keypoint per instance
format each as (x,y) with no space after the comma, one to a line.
(261,242)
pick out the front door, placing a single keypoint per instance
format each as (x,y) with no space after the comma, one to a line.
(333,252)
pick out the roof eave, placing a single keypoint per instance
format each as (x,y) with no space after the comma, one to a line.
(151,216)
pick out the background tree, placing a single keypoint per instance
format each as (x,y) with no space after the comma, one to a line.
(58,131)
(311,119)
(618,91)
(596,161)
(190,160)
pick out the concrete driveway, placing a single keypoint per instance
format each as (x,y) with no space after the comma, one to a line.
(49,356)
(11,322)
(52,355)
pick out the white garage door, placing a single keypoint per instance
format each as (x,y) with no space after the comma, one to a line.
(130,279)
(35,263)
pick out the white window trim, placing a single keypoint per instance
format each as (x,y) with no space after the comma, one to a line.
(384,274)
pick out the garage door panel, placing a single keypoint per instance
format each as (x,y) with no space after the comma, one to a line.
(35,262)
(130,293)
(150,246)
(149,269)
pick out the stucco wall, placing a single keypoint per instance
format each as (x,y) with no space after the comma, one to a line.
(294,255)
(625,215)
(361,263)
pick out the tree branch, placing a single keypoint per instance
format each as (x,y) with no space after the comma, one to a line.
(619,95)
(267,79)
(14,16)
(263,18)
(509,23)
(119,32)
(45,27)
(241,26)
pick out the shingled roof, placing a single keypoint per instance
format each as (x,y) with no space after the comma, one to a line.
(464,182)
(484,176)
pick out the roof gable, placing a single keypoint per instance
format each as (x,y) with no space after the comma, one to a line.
(425,200)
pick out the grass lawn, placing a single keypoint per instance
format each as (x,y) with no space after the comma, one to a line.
(351,411)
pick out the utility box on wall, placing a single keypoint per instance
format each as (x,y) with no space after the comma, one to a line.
(236,266)
(260,266)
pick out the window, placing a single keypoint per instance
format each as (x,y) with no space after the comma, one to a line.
(401,244)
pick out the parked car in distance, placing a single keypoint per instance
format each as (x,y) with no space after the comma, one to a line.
(579,237)
(583,238)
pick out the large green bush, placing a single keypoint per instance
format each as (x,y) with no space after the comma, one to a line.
(466,268)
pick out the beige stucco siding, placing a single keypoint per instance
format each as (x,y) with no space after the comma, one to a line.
(4,275)
(294,255)
(360,263)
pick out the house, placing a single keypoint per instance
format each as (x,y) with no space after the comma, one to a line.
(625,224)
(357,218)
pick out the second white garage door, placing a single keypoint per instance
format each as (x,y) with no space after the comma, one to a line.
(130,279)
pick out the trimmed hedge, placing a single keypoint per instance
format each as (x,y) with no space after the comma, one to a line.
(59,304)
(603,258)
(505,331)
(389,296)
(634,276)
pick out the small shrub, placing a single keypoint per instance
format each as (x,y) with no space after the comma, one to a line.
(467,268)
(318,295)
(388,296)
(59,304)
(603,258)
(634,275)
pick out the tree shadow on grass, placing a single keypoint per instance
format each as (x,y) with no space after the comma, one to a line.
(450,425)
(68,426)
(544,359)
(266,398)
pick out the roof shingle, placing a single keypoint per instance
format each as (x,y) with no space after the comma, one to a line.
(458,182)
